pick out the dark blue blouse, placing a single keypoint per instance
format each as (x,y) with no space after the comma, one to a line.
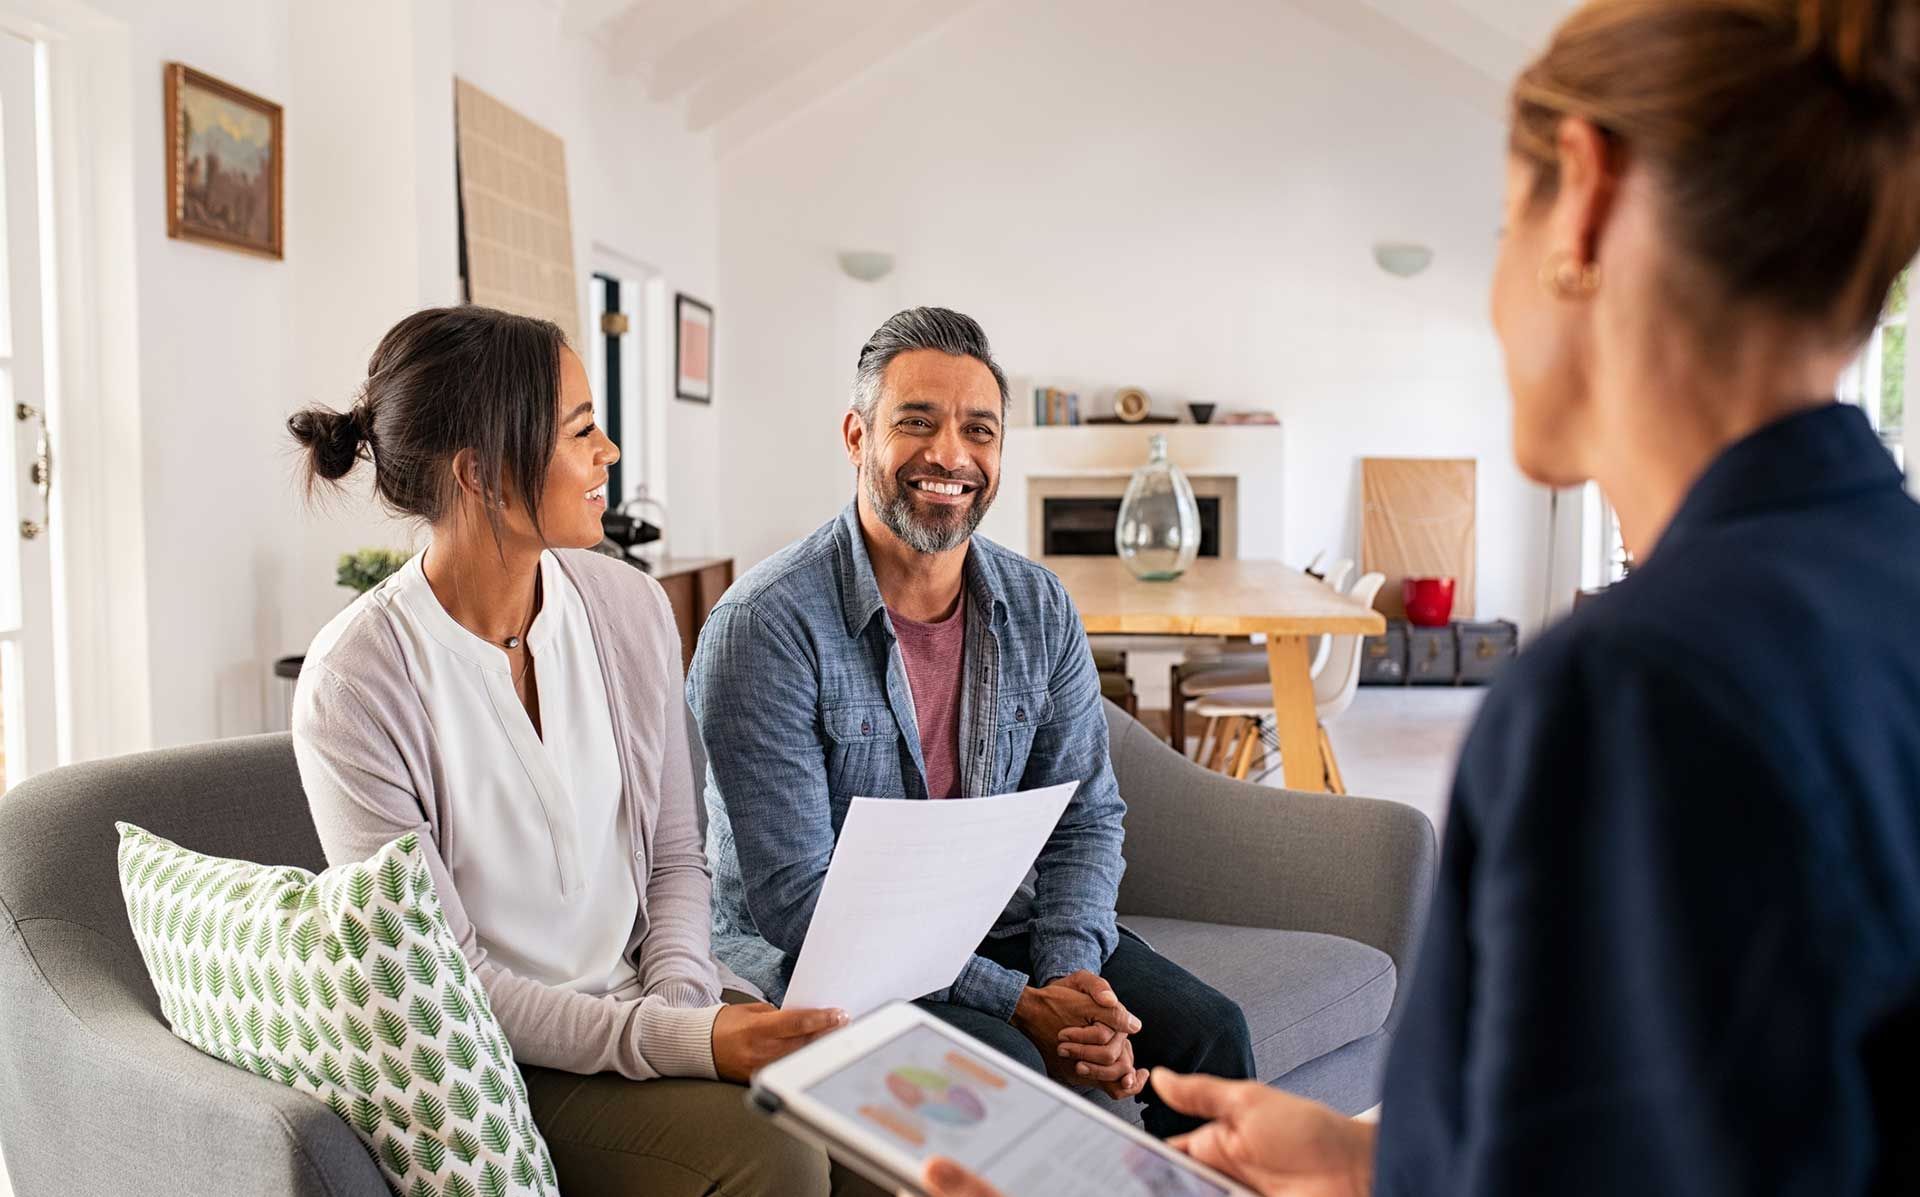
(1676,943)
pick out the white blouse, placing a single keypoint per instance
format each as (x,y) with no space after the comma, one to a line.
(542,864)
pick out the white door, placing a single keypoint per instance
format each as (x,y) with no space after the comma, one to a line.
(27,707)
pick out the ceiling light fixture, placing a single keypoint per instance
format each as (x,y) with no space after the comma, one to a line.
(1402,259)
(867,265)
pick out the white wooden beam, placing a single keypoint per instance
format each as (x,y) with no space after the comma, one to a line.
(734,36)
(585,16)
(745,112)
(638,42)
(1440,68)
(1483,34)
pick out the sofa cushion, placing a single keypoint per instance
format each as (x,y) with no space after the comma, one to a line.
(1304,994)
(347,986)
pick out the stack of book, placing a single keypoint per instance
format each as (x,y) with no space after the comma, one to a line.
(1054,406)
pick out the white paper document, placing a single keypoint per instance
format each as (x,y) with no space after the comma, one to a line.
(911,891)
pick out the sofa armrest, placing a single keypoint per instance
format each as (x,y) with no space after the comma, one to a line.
(98,1096)
(1211,849)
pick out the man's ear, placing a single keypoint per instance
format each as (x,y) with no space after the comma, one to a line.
(853,430)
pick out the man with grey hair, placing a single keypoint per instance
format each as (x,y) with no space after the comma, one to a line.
(894,654)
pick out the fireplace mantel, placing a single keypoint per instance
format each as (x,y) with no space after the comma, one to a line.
(1241,464)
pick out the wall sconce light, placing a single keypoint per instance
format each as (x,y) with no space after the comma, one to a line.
(1402,259)
(867,265)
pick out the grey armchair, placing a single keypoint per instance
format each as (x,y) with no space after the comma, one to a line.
(98,1096)
(1304,908)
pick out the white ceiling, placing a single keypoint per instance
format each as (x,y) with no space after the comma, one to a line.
(738,66)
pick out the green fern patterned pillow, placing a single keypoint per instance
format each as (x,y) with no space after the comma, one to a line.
(350,987)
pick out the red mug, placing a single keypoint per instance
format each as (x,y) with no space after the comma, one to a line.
(1429,601)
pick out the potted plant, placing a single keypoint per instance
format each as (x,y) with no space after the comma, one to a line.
(361,571)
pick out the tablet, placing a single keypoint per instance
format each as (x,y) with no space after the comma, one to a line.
(888,1091)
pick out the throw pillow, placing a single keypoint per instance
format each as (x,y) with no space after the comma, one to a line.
(348,986)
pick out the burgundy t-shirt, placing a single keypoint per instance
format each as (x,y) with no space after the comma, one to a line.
(935,656)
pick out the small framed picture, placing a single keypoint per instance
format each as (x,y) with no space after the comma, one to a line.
(692,349)
(224,168)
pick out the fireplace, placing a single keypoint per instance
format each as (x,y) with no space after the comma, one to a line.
(1084,527)
(1074,515)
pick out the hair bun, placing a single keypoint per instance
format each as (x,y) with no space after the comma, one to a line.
(1873,44)
(332,439)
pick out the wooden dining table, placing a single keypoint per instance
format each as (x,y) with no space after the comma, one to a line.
(1219,596)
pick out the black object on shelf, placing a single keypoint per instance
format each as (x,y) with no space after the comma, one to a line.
(627,530)
(289,668)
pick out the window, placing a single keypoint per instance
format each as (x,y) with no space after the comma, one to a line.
(1876,382)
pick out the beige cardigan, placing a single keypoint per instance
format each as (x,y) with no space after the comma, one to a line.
(371,768)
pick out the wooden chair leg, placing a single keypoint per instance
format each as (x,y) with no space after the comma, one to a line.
(1218,731)
(1248,743)
(1335,783)
(1226,744)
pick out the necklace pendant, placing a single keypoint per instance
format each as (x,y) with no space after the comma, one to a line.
(513,642)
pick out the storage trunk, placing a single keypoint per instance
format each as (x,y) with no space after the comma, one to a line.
(1431,656)
(1484,649)
(1383,659)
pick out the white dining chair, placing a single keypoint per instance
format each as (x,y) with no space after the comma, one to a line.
(1237,715)
(1224,663)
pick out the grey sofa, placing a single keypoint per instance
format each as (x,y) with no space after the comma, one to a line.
(1303,907)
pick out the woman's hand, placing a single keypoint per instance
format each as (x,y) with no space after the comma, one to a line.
(1276,1144)
(1272,1142)
(750,1037)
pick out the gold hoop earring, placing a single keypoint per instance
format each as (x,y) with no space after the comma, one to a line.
(1565,277)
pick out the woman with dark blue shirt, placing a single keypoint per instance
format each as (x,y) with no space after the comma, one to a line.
(1676,943)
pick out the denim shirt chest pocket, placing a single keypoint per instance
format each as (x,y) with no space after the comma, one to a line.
(1017,716)
(864,752)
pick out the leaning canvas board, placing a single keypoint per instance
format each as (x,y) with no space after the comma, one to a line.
(1418,522)
(516,226)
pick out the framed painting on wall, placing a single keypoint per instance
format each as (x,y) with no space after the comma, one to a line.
(692,349)
(224,164)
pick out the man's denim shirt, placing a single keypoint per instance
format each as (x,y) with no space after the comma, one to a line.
(803,704)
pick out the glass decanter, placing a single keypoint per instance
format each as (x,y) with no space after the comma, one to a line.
(1158,533)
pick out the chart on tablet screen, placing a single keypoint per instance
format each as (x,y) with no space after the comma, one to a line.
(931,1098)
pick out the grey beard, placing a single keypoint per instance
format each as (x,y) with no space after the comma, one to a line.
(898,515)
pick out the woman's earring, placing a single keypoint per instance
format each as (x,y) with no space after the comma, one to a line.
(1564,277)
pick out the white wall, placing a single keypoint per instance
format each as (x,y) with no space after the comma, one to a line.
(641,186)
(238,570)
(1182,198)
(214,363)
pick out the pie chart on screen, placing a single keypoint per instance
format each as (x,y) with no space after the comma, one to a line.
(935,1096)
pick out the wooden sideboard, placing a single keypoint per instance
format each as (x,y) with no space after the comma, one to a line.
(693,586)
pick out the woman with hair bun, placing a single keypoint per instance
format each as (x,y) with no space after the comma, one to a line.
(515,698)
(1675,947)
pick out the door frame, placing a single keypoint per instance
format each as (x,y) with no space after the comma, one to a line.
(101,664)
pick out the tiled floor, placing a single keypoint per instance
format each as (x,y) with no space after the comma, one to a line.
(1402,743)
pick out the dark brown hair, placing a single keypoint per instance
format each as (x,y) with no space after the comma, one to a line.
(443,380)
(1782,132)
